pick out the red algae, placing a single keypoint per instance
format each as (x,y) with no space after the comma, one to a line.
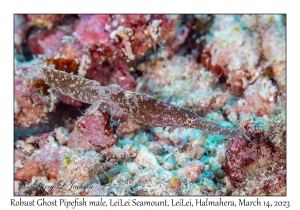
(41,87)
(64,64)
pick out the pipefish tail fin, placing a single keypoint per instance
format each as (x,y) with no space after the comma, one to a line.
(152,112)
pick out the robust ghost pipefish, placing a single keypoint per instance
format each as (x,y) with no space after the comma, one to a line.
(143,108)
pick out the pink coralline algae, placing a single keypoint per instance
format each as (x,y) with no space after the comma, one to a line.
(42,41)
(94,130)
(76,167)
(153,104)
(116,73)
(254,164)
(93,40)
(123,36)
(32,99)
(44,163)
(239,155)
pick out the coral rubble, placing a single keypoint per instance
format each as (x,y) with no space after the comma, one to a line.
(149,105)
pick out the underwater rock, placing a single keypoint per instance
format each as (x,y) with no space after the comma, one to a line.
(259,99)
(181,105)
(181,81)
(123,36)
(272,30)
(33,99)
(94,130)
(45,21)
(253,165)
(43,41)
(233,51)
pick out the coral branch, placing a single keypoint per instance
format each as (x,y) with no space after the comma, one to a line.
(144,109)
